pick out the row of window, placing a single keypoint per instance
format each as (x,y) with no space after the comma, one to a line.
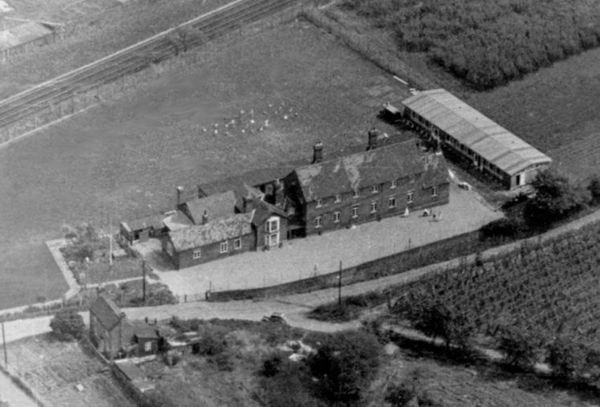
(223,248)
(356,194)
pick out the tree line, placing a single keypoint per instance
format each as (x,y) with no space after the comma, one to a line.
(487,43)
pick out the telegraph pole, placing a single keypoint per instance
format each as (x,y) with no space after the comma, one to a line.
(4,346)
(144,280)
(340,285)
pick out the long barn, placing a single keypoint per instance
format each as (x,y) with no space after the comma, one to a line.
(492,148)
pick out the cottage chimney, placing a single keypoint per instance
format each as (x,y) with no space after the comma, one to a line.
(317,153)
(373,137)
(205,217)
(179,195)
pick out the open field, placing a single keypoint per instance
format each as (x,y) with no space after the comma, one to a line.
(126,157)
(550,289)
(53,368)
(60,11)
(111,30)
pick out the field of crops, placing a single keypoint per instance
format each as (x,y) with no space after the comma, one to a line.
(549,288)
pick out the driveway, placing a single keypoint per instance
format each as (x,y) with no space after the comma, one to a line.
(315,255)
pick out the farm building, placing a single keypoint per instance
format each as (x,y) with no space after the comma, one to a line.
(262,226)
(20,37)
(491,148)
(142,229)
(385,179)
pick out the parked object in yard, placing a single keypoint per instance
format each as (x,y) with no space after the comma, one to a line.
(278,317)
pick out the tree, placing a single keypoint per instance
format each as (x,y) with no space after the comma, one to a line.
(67,325)
(566,358)
(344,364)
(555,198)
(520,346)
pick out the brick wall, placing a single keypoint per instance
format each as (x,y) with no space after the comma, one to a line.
(212,252)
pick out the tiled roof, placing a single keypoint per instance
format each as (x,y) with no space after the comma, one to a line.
(106,311)
(214,231)
(215,205)
(241,187)
(474,130)
(263,210)
(366,168)
(143,330)
(152,221)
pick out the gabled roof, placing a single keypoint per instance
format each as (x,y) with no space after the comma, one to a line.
(143,330)
(263,210)
(476,131)
(241,187)
(216,206)
(106,312)
(152,221)
(212,232)
(366,168)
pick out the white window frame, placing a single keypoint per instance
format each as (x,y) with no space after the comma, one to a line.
(237,243)
(410,196)
(318,222)
(373,207)
(197,253)
(147,346)
(354,212)
(224,247)
(338,198)
(375,189)
(336,217)
(272,224)
(434,191)
(319,203)
(394,184)
(392,202)
(356,193)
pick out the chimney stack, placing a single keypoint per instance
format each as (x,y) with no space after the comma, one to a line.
(179,195)
(317,153)
(373,137)
(205,217)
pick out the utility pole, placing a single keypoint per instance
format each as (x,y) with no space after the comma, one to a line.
(110,259)
(144,280)
(4,346)
(340,285)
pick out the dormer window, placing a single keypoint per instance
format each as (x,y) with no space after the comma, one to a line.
(394,184)
(319,203)
(375,189)
(338,198)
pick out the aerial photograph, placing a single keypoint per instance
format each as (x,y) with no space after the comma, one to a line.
(299,203)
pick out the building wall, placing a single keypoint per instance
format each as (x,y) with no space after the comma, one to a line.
(421,198)
(211,252)
(260,232)
(141,349)
(107,342)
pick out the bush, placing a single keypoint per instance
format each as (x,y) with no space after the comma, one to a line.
(410,393)
(594,188)
(522,347)
(67,325)
(501,228)
(344,364)
(290,386)
(567,358)
(212,341)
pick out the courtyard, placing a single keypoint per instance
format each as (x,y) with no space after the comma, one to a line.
(315,255)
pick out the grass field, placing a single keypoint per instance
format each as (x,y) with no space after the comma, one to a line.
(60,11)
(53,368)
(127,157)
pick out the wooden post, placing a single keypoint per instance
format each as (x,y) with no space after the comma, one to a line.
(4,346)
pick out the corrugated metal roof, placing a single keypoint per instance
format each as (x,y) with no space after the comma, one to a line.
(474,130)
(214,231)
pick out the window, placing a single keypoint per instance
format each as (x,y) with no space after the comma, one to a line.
(336,217)
(355,212)
(237,243)
(196,254)
(272,224)
(338,198)
(319,203)
(434,191)
(147,346)
(373,206)
(356,193)
(318,221)
(392,202)
(224,247)
(375,189)
(409,197)
(394,184)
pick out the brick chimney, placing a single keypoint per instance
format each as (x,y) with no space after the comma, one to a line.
(317,153)
(180,190)
(373,137)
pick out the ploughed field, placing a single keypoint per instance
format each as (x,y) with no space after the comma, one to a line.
(295,85)
(550,289)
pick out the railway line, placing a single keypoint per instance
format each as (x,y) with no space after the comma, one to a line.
(44,97)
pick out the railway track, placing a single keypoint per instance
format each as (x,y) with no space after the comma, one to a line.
(44,97)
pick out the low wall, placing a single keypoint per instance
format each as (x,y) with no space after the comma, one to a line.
(456,246)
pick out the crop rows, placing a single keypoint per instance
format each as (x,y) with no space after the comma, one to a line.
(551,288)
(43,97)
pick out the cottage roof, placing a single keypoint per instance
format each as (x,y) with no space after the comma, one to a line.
(215,205)
(142,330)
(263,210)
(241,187)
(106,312)
(177,220)
(474,130)
(214,231)
(130,370)
(151,221)
(366,168)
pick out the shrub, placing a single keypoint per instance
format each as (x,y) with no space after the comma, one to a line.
(67,325)
(594,188)
(522,347)
(501,228)
(344,364)
(567,358)
(290,387)
(212,341)
(410,393)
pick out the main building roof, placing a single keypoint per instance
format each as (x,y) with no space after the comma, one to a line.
(476,131)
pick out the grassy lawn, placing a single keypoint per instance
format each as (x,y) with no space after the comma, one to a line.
(53,368)
(127,157)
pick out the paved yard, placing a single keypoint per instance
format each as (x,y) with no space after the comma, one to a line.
(302,258)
